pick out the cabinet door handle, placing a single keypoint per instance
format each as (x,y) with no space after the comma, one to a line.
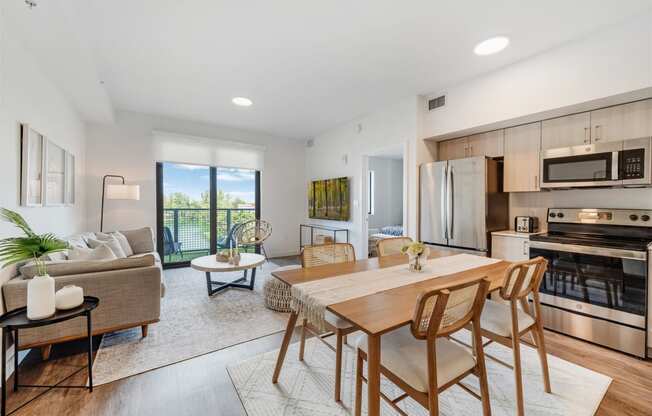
(587,135)
(536,181)
(526,252)
(597,130)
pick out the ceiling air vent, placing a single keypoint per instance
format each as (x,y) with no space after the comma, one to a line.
(437,102)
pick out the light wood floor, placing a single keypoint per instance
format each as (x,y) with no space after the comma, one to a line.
(201,386)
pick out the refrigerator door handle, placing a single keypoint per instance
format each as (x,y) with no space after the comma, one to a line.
(450,215)
(444,203)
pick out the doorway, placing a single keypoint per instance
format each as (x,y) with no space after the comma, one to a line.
(198,206)
(384,199)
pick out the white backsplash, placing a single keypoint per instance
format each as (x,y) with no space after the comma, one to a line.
(536,204)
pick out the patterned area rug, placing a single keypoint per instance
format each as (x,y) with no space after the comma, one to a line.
(191,324)
(307,388)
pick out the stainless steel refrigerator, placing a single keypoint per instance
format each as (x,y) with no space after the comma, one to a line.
(462,202)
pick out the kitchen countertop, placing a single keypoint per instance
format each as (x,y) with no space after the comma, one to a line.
(512,233)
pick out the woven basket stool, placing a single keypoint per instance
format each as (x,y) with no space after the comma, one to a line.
(276,293)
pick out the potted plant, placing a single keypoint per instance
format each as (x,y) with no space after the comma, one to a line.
(32,246)
(417,252)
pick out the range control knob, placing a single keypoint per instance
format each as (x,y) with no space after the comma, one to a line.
(560,215)
(645,217)
(553,215)
(633,217)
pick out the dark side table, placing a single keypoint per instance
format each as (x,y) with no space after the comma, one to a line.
(15,320)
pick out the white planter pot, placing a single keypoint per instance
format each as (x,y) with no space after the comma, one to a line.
(69,297)
(40,297)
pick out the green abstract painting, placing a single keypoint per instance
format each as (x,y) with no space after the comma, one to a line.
(329,199)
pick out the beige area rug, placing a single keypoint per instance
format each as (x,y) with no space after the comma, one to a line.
(191,324)
(307,388)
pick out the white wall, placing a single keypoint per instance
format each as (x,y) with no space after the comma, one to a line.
(339,152)
(388,192)
(612,61)
(127,148)
(27,96)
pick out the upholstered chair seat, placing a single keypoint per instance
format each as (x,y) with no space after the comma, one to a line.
(406,357)
(497,318)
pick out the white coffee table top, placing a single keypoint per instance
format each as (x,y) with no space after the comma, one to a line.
(210,264)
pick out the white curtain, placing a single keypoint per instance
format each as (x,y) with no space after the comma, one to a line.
(182,148)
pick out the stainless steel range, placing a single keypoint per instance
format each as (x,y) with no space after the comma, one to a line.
(596,284)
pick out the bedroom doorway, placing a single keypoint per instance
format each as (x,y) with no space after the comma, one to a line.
(384,196)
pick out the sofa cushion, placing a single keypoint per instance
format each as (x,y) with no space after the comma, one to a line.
(110,241)
(141,240)
(154,254)
(71,267)
(102,252)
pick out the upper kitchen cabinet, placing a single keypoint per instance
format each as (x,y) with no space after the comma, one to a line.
(573,130)
(521,168)
(453,149)
(490,144)
(622,122)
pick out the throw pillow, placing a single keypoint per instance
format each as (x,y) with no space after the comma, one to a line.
(111,242)
(141,240)
(124,243)
(102,252)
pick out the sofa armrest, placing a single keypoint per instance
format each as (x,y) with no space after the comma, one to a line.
(129,296)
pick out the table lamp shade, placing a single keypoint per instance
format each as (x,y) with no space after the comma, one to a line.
(121,191)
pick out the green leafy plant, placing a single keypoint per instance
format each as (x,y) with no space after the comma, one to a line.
(31,246)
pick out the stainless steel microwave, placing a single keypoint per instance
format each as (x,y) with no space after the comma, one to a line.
(618,163)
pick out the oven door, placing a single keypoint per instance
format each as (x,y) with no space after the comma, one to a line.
(588,165)
(605,283)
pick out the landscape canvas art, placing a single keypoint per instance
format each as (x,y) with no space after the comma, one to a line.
(329,199)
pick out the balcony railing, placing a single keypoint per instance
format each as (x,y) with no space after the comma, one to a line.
(191,228)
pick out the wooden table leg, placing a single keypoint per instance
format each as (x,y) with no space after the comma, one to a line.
(292,320)
(373,376)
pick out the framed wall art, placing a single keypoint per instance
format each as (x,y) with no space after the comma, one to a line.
(33,151)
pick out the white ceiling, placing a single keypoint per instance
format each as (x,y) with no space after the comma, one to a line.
(307,65)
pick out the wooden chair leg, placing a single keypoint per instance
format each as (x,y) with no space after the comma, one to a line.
(358,383)
(537,332)
(345,339)
(518,377)
(478,351)
(45,352)
(143,330)
(302,343)
(338,365)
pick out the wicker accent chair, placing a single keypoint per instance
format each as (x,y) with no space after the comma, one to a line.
(421,360)
(506,323)
(253,233)
(312,256)
(392,245)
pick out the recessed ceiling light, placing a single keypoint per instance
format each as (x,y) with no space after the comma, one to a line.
(491,45)
(242,101)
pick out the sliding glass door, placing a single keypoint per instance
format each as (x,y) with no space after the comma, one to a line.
(198,206)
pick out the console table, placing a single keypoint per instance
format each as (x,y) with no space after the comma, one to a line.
(327,228)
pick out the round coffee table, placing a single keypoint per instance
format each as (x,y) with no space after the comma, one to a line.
(209,264)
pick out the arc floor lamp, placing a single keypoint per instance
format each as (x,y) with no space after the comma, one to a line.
(117,191)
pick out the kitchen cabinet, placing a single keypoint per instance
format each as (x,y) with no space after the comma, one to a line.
(521,163)
(490,144)
(453,149)
(510,245)
(622,122)
(573,130)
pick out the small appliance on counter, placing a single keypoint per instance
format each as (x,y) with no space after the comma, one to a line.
(526,224)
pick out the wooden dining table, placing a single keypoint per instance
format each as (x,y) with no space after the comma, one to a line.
(381,312)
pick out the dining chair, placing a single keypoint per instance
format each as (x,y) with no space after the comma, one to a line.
(421,360)
(506,323)
(391,245)
(319,255)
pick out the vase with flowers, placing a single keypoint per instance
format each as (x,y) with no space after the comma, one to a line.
(32,246)
(417,253)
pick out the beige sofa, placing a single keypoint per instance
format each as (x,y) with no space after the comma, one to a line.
(130,292)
